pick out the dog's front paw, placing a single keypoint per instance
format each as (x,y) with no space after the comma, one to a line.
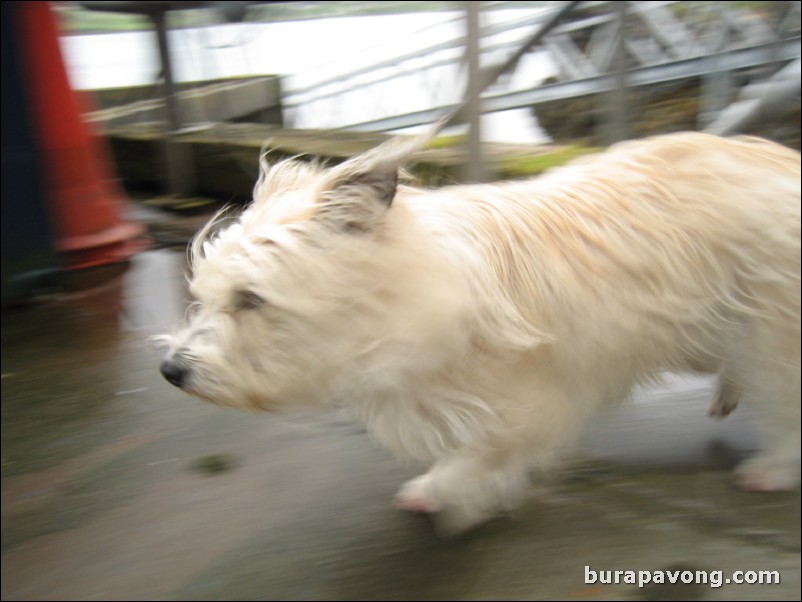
(416,495)
(450,518)
(766,474)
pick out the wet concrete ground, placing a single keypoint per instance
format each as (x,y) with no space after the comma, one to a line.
(117,486)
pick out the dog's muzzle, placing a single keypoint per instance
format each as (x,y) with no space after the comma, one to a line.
(175,371)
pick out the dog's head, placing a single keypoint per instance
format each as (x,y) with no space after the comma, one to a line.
(313,279)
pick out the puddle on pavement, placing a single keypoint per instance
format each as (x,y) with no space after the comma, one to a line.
(69,362)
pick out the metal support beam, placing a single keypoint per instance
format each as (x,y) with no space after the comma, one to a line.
(767,53)
(716,87)
(618,111)
(176,162)
(489,75)
(473,100)
(756,101)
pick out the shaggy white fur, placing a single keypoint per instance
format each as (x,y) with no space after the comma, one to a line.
(480,326)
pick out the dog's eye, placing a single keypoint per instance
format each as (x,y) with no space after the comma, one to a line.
(246,300)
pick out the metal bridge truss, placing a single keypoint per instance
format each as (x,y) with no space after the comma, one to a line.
(581,48)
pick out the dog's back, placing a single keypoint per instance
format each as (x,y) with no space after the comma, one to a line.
(652,249)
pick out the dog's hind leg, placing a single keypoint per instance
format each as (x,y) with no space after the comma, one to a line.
(771,381)
(777,467)
(725,399)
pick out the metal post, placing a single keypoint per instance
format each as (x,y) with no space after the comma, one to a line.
(473,108)
(619,129)
(716,87)
(612,106)
(177,163)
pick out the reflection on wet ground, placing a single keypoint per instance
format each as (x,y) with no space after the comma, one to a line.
(117,486)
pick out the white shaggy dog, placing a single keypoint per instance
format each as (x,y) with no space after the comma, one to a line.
(481,326)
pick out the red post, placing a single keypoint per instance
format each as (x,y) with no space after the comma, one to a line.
(86,203)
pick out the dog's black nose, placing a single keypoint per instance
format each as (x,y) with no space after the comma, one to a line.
(174,371)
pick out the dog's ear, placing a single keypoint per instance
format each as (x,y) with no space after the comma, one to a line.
(358,191)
